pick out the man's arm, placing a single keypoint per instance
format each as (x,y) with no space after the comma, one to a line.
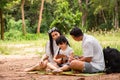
(86,59)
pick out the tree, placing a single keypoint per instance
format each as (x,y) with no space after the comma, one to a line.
(2,24)
(116,22)
(106,13)
(40,16)
(84,9)
(23,18)
(2,5)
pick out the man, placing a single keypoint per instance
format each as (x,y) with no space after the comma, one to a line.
(92,60)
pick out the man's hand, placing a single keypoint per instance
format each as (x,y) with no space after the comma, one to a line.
(71,58)
(74,58)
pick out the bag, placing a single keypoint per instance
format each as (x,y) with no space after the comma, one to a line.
(112,60)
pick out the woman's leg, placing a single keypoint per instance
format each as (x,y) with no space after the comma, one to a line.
(37,66)
(77,65)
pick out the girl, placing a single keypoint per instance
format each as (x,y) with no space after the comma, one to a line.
(63,54)
(51,48)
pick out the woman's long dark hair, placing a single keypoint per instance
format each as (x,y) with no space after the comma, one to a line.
(51,39)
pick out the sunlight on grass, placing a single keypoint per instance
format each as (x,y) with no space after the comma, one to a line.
(24,46)
(111,39)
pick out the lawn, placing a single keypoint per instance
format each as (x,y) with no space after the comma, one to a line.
(110,38)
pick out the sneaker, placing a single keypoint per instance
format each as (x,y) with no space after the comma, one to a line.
(57,71)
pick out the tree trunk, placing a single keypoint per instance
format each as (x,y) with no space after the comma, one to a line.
(103,15)
(84,18)
(84,11)
(2,24)
(116,22)
(40,16)
(23,17)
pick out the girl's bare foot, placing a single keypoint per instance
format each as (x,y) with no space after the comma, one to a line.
(57,71)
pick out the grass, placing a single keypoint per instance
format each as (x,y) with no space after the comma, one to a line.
(110,38)
(24,46)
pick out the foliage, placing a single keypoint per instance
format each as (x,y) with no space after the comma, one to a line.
(13,35)
(63,14)
(101,14)
(16,35)
(16,25)
(65,18)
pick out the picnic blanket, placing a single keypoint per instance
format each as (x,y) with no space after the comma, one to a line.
(68,73)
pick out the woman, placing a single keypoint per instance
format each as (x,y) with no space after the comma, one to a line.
(51,48)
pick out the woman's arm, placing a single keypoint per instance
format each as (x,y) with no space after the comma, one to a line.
(44,57)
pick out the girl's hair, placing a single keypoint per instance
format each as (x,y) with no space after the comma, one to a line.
(54,29)
(61,39)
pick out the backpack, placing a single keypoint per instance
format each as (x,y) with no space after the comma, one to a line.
(112,60)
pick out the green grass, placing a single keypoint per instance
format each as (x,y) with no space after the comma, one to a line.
(24,46)
(37,46)
(109,39)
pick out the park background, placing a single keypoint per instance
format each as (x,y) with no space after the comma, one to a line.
(25,23)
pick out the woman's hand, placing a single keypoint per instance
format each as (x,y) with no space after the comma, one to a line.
(44,57)
(41,62)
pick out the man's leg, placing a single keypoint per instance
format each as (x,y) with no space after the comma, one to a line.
(77,65)
(65,67)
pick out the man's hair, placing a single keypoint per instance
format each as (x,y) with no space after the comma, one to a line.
(76,32)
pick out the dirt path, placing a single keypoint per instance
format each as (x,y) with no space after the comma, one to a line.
(12,66)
